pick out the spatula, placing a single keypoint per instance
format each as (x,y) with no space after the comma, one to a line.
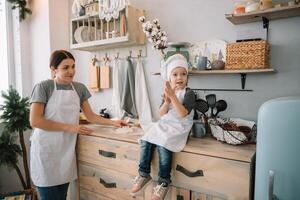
(211,100)
(201,106)
(221,105)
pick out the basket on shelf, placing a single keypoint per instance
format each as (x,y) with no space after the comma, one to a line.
(247,55)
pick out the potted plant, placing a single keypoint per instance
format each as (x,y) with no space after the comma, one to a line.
(14,115)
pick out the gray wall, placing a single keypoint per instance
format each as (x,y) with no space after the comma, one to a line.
(197,20)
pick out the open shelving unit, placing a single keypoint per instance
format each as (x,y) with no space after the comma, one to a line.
(127,31)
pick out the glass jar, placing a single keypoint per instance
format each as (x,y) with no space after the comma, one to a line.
(239,6)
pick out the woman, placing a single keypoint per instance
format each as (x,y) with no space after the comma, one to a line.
(54,114)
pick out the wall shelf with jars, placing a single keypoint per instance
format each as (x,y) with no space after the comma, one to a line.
(270,14)
(96,31)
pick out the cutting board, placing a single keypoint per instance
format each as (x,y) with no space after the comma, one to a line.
(105,75)
(94,81)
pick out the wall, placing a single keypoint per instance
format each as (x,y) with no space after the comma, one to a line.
(194,21)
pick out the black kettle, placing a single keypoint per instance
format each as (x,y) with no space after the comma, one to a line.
(103,113)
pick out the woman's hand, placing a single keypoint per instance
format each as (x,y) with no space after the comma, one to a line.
(119,123)
(79,129)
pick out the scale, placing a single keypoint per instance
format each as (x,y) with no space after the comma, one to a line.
(177,46)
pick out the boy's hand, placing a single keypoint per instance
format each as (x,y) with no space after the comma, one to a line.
(169,91)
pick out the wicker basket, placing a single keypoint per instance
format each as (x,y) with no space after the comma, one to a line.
(247,55)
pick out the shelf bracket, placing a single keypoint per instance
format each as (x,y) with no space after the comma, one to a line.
(266,25)
(243,80)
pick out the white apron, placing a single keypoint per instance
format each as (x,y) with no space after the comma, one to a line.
(171,131)
(52,153)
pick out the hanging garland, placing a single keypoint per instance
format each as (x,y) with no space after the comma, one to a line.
(21,5)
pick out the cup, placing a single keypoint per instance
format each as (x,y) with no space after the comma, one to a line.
(198,130)
(203,63)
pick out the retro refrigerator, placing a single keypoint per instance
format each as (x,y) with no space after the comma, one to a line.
(277,171)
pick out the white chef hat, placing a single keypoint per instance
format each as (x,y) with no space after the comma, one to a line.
(176,60)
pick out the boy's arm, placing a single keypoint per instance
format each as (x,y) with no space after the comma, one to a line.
(163,108)
(181,110)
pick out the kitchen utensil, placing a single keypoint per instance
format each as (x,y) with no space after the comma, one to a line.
(201,106)
(80,34)
(203,63)
(221,105)
(103,113)
(105,77)
(198,130)
(211,100)
(94,82)
(105,74)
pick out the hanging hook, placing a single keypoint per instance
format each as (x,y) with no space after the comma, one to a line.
(117,56)
(105,59)
(94,60)
(130,54)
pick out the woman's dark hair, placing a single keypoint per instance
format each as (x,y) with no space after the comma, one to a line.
(58,56)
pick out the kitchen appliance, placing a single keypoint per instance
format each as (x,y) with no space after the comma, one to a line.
(277,157)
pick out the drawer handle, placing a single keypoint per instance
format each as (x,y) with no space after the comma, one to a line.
(108,185)
(188,173)
(107,154)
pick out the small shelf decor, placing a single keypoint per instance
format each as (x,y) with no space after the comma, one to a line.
(155,34)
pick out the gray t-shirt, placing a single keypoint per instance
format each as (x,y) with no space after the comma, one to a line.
(42,91)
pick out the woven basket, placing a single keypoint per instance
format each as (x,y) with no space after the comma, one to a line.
(247,55)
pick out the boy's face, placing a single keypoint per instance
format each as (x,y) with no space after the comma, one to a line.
(178,78)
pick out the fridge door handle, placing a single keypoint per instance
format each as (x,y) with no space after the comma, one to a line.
(271,184)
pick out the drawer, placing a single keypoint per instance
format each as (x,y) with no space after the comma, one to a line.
(88,195)
(116,155)
(200,196)
(105,182)
(217,177)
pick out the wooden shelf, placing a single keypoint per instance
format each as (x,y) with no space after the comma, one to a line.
(103,44)
(243,74)
(244,71)
(85,17)
(270,14)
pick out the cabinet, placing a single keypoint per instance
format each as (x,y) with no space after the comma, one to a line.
(205,169)
(90,33)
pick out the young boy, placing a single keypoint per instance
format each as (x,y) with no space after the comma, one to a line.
(170,133)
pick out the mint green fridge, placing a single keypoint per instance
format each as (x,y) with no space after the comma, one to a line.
(277,170)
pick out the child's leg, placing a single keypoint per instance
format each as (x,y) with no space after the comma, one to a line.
(165,165)
(164,177)
(145,158)
(144,167)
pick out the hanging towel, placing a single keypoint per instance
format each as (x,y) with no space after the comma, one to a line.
(141,97)
(118,80)
(128,96)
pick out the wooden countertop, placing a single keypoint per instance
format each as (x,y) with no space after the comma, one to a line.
(204,146)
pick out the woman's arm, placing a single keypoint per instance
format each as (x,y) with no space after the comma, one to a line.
(96,119)
(37,120)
